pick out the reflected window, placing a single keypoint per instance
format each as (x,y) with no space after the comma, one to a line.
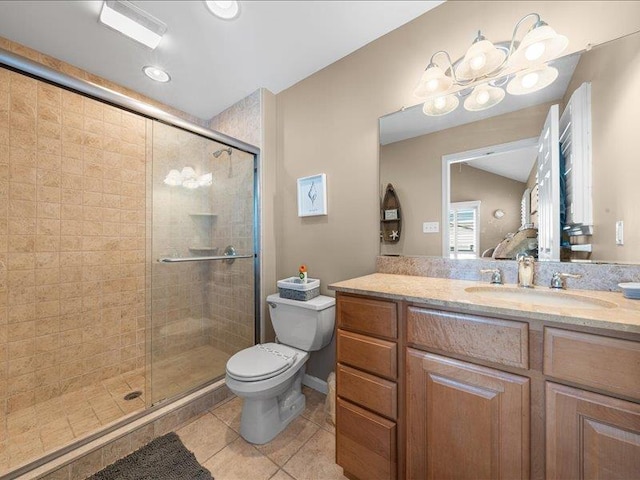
(464,236)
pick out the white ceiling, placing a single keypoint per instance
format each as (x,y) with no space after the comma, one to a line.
(515,164)
(213,63)
(411,122)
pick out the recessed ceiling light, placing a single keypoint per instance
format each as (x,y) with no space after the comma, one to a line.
(132,21)
(222,9)
(157,74)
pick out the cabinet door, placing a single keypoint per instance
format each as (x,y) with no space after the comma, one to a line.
(591,436)
(465,421)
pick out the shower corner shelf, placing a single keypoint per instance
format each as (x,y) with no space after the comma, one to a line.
(203,214)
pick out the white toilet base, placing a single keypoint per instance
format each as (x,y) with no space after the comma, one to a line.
(264,418)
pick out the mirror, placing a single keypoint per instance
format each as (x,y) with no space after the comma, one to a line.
(483,157)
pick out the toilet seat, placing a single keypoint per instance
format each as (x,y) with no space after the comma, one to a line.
(261,362)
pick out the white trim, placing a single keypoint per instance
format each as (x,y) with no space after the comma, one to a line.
(448,160)
(315,383)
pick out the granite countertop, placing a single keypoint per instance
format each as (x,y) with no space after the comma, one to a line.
(623,316)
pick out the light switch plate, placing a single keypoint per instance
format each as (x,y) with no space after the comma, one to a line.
(430,227)
(619,232)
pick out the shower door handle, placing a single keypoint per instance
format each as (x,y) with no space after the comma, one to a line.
(202,259)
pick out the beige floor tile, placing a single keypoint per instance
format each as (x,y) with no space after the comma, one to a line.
(240,461)
(315,409)
(206,436)
(289,441)
(230,412)
(316,459)
(282,475)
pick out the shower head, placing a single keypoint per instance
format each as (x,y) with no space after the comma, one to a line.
(217,153)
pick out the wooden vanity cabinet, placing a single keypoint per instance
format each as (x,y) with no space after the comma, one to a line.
(591,435)
(366,386)
(425,393)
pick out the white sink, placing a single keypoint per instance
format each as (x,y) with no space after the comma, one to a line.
(542,297)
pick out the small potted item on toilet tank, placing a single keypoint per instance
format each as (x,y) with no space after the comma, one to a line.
(302,273)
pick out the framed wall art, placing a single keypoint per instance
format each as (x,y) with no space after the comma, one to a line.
(312,195)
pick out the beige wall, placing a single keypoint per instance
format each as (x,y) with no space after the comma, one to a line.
(328,123)
(494,192)
(614,72)
(414,166)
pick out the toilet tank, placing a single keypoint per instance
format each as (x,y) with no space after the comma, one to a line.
(306,325)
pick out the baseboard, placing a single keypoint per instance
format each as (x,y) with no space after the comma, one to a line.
(315,383)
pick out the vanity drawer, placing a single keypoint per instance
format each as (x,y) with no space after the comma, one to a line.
(368,391)
(611,364)
(366,353)
(365,443)
(375,317)
(500,341)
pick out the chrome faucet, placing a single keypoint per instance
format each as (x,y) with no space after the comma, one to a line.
(496,275)
(558,280)
(525,270)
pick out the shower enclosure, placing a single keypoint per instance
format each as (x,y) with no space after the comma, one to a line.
(128,259)
(202,242)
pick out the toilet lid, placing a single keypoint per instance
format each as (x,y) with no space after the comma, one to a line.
(261,362)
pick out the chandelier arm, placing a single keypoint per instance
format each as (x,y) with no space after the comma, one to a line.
(453,73)
(512,42)
(515,31)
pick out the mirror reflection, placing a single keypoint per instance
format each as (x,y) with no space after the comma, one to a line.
(553,173)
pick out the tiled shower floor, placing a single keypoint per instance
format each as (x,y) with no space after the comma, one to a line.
(32,432)
(185,371)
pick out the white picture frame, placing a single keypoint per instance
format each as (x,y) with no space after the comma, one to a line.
(312,195)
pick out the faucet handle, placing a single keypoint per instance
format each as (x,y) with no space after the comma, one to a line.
(558,280)
(496,275)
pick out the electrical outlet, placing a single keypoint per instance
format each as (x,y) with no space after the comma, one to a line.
(619,232)
(430,227)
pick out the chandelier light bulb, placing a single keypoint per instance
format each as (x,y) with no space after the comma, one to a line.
(539,45)
(434,107)
(432,85)
(483,97)
(440,103)
(482,58)
(534,51)
(530,79)
(477,62)
(433,82)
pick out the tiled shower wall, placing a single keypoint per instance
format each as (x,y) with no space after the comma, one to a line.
(72,241)
(180,223)
(231,286)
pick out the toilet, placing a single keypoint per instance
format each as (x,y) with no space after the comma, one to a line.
(268,376)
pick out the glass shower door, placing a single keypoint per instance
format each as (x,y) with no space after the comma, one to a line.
(202,306)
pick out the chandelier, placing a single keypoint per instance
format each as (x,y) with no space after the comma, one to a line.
(481,75)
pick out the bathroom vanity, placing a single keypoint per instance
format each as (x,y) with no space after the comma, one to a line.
(440,378)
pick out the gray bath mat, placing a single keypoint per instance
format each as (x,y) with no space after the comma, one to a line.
(165,458)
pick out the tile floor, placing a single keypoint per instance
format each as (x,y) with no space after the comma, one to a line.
(48,426)
(305,450)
